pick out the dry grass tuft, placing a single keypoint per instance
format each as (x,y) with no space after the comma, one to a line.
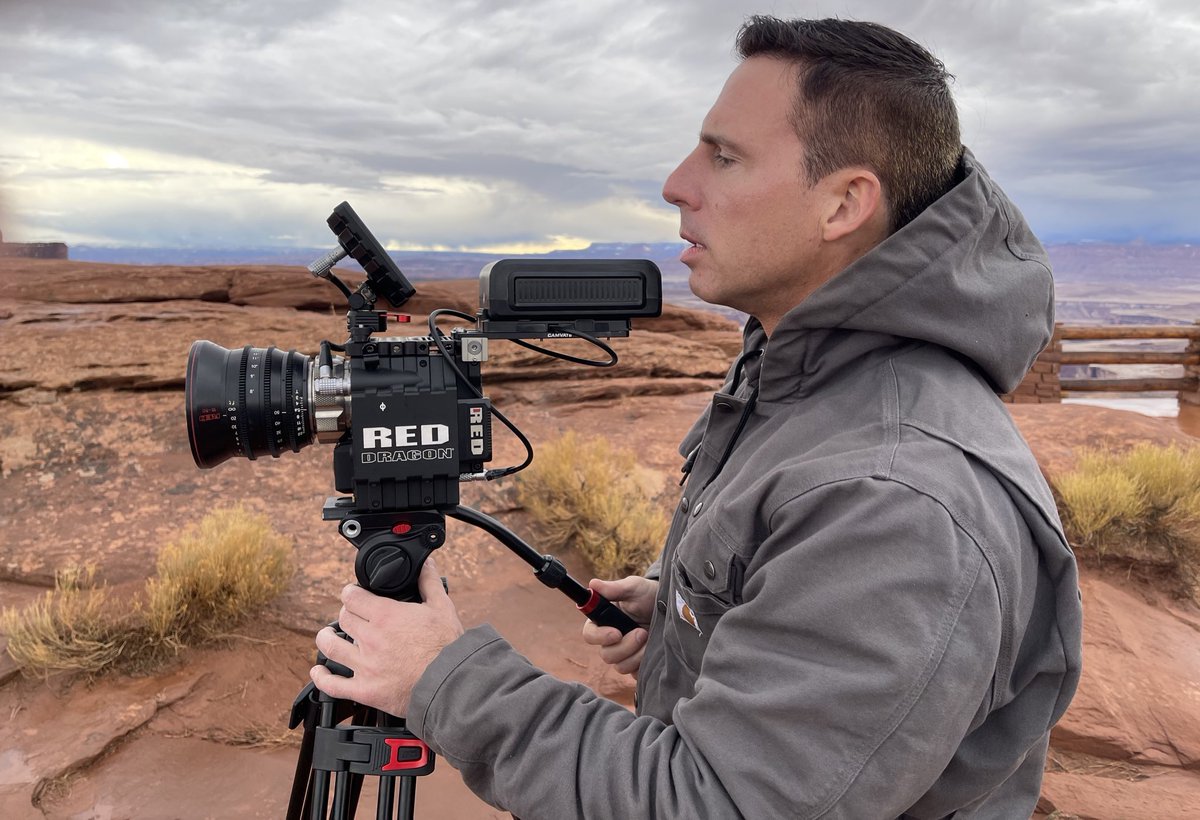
(232,563)
(1142,506)
(71,628)
(584,495)
(1098,503)
(228,566)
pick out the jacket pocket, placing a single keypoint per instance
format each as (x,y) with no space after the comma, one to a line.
(705,584)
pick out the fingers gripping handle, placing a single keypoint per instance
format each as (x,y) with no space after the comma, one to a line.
(604,612)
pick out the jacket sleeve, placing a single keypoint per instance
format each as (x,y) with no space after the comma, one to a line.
(861,653)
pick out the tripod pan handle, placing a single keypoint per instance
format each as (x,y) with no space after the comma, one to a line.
(604,612)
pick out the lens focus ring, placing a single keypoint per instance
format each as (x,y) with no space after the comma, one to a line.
(248,402)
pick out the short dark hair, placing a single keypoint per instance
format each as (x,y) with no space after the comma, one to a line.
(868,96)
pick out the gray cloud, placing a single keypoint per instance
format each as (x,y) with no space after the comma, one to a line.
(470,123)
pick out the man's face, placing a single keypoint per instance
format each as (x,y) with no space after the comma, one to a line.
(744,201)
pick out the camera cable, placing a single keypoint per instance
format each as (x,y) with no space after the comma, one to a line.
(439,339)
(578,334)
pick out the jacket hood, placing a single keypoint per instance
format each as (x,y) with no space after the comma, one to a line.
(967,274)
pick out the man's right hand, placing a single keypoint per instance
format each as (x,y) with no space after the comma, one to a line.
(635,595)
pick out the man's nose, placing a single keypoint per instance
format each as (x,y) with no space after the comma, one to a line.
(675,189)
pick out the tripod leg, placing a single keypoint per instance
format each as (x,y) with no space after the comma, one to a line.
(408,785)
(362,716)
(342,809)
(320,779)
(302,781)
(387,798)
(408,797)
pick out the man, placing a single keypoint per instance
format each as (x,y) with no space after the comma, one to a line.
(865,607)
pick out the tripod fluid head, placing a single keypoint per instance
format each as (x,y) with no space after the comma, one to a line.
(392,548)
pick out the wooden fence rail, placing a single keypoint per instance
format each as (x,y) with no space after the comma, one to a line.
(1091,332)
(1186,386)
(1128,357)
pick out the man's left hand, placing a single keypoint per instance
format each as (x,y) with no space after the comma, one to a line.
(393,643)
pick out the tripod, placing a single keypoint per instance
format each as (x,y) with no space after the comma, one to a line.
(392,548)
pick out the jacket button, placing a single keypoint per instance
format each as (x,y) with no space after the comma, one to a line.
(683,505)
(662,606)
(724,405)
(710,571)
(699,507)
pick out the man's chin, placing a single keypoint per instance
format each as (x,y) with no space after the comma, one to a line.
(715,297)
(705,292)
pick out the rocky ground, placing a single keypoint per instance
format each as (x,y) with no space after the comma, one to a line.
(95,468)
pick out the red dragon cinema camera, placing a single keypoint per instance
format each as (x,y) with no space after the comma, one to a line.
(407,416)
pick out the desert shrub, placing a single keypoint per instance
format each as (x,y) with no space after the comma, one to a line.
(216,573)
(1141,506)
(70,628)
(1166,474)
(1099,503)
(585,495)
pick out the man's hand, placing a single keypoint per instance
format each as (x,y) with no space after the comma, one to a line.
(635,595)
(393,643)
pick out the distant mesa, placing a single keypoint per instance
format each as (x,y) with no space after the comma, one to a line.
(33,250)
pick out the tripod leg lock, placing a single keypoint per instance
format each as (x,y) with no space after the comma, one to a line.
(383,752)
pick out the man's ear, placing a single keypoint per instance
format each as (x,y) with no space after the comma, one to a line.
(855,197)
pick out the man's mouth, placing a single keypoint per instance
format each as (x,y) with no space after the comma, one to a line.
(694,248)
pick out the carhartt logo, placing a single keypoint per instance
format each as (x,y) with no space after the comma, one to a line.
(685,612)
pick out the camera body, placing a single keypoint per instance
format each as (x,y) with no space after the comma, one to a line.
(416,424)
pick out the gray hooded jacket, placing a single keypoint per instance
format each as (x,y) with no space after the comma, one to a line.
(866,609)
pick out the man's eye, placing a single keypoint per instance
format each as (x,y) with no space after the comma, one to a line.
(720,160)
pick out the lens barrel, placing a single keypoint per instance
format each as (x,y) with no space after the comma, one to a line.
(249,402)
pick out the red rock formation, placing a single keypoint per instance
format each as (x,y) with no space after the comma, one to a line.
(32,250)
(95,467)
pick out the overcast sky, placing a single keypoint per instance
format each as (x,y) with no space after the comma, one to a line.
(530,125)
